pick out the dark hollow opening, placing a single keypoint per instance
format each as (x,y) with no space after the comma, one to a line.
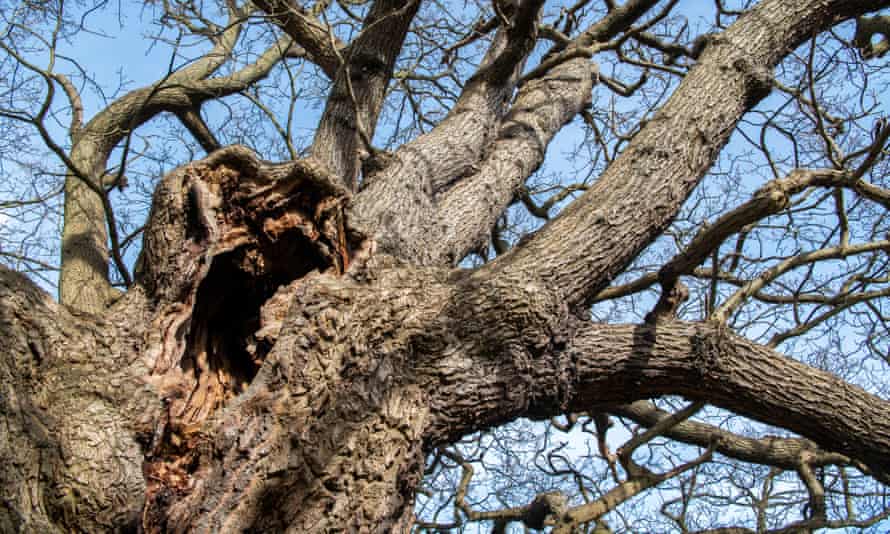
(221,350)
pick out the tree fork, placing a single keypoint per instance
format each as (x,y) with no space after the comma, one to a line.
(270,371)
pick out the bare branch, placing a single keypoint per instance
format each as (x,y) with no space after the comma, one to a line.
(195,124)
(866,28)
(658,160)
(308,32)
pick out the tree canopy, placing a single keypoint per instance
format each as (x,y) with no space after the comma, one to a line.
(382,265)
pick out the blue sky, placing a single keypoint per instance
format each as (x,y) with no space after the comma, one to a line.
(117,53)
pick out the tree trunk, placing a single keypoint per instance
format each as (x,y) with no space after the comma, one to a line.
(284,362)
(287,378)
(83,280)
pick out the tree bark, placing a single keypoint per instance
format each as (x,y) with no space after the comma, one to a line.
(356,100)
(291,349)
(76,414)
(83,278)
(596,237)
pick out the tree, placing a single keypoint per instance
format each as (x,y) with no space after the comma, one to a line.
(299,341)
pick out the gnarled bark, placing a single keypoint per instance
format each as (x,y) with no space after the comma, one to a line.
(291,349)
(77,414)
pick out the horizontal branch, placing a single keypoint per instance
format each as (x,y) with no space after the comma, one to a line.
(775,451)
(613,364)
(829,253)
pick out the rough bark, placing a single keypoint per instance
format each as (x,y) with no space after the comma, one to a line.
(596,237)
(307,32)
(363,73)
(370,370)
(83,279)
(289,352)
(397,205)
(77,414)
(607,365)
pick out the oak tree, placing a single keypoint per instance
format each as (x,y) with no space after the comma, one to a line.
(330,332)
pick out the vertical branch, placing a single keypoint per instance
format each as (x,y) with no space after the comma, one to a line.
(815,488)
(359,90)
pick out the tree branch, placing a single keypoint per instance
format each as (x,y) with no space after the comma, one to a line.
(306,31)
(613,364)
(837,252)
(784,453)
(866,28)
(359,89)
(398,202)
(596,237)
(192,120)
(89,223)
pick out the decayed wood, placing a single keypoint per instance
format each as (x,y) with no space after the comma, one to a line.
(289,352)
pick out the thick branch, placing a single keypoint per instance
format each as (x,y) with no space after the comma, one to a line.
(83,281)
(641,191)
(866,29)
(470,209)
(363,72)
(448,157)
(399,201)
(611,364)
(306,31)
(196,126)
